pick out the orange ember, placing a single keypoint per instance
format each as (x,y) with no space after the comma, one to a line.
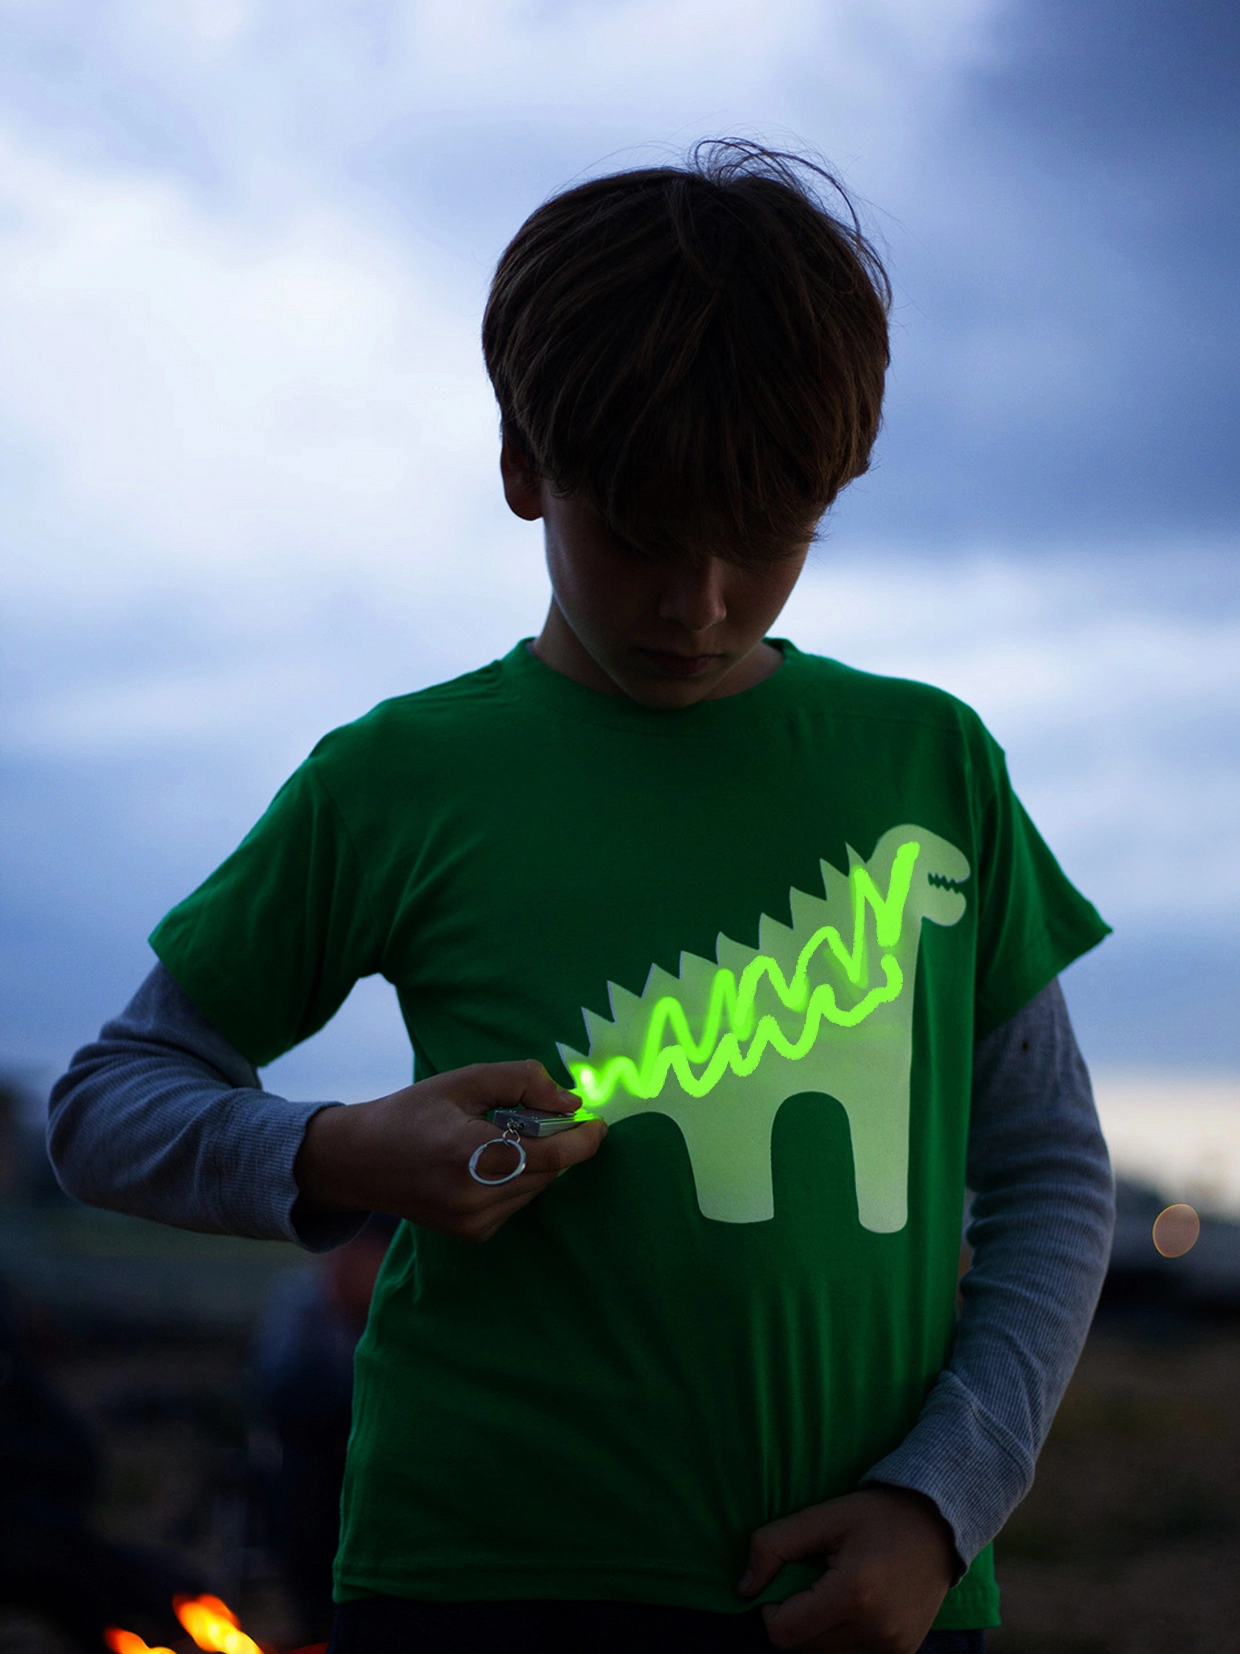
(213,1626)
(128,1642)
(210,1622)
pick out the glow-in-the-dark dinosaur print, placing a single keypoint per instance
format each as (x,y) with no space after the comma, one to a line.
(737,1003)
(825,1005)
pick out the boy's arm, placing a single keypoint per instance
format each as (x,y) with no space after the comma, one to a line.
(1040,1229)
(163,1118)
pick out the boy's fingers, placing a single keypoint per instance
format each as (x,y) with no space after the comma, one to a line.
(761,1565)
(809,1618)
(545,1159)
(805,1533)
(567,1148)
(526,1084)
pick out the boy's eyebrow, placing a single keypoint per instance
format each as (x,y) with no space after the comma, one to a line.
(759,555)
(697,559)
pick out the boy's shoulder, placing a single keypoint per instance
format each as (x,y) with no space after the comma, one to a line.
(422,719)
(472,693)
(851,692)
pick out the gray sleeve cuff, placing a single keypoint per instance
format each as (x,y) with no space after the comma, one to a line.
(162,1118)
(962,1459)
(1040,1228)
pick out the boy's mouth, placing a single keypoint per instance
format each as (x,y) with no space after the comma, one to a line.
(672,665)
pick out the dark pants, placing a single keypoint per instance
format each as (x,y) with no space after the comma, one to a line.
(392,1625)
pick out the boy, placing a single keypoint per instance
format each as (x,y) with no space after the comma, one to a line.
(705,1390)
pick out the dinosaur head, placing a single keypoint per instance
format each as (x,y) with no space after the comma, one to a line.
(940,868)
(938,874)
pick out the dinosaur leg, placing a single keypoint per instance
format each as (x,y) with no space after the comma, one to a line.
(869,1077)
(728,1136)
(880,1160)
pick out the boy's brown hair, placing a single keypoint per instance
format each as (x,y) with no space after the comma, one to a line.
(697,352)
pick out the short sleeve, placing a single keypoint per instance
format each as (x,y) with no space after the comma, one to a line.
(1032,921)
(271,944)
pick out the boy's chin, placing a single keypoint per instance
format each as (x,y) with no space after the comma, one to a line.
(644,681)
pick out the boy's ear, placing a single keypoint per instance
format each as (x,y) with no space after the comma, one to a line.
(522,484)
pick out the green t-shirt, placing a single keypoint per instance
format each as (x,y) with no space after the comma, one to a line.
(788,915)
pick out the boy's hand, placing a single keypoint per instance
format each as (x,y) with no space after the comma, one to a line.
(408,1153)
(889,1559)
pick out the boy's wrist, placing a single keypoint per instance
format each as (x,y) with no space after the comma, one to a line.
(916,1500)
(323,1169)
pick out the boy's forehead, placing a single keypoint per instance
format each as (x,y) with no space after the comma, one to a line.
(678,541)
(682,547)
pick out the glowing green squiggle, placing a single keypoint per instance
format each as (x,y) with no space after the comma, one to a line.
(733,1003)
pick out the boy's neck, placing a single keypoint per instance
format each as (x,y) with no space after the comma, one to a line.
(559,647)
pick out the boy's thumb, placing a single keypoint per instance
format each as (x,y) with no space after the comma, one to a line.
(764,1561)
(805,1533)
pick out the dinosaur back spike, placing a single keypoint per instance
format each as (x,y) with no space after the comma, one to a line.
(568,1056)
(696,974)
(779,941)
(660,983)
(809,913)
(835,886)
(602,1032)
(623,1003)
(734,956)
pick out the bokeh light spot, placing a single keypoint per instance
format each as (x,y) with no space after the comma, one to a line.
(1176,1230)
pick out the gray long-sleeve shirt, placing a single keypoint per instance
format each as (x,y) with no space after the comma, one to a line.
(162,1118)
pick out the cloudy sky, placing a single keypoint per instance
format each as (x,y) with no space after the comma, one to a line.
(247,449)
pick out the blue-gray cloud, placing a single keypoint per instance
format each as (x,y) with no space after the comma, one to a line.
(1069,254)
(247,449)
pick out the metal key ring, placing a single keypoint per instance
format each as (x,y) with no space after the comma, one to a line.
(513,1140)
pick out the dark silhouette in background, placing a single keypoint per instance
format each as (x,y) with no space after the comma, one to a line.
(51,1559)
(304,1372)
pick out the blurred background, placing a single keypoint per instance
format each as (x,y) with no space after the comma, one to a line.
(248,487)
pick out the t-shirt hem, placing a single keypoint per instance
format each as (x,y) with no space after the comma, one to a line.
(969,1607)
(479,1579)
(969,1610)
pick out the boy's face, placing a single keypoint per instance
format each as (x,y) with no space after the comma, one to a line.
(667,632)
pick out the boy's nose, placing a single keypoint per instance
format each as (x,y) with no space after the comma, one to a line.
(695,598)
